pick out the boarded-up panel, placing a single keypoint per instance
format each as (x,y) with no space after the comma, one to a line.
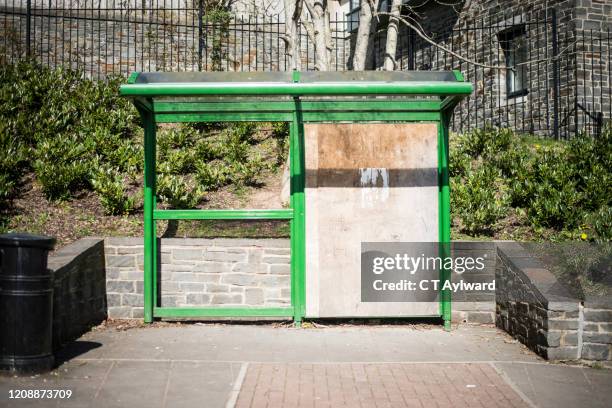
(365,182)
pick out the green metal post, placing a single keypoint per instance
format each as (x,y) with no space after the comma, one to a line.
(149,223)
(444,216)
(297,175)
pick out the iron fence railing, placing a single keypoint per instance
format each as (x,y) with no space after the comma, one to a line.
(563,75)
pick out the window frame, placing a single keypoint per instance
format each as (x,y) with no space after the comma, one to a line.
(515,52)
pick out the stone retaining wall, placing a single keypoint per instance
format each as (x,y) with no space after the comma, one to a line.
(199,272)
(533,307)
(94,277)
(475,307)
(596,329)
(79,295)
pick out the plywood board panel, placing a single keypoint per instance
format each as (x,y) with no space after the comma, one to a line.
(365,182)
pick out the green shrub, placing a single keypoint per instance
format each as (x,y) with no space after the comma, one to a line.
(110,187)
(68,123)
(62,166)
(554,200)
(479,200)
(246,174)
(243,131)
(280,132)
(59,180)
(561,186)
(599,223)
(75,133)
(212,176)
(7,188)
(591,160)
(208,150)
(486,142)
(179,191)
(13,160)
(181,161)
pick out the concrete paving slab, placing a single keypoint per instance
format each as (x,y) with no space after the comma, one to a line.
(267,343)
(211,381)
(200,365)
(555,386)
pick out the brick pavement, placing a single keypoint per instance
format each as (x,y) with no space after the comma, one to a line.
(376,385)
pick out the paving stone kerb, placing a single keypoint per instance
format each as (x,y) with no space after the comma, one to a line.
(537,310)
(199,272)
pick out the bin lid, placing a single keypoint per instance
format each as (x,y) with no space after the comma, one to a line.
(23,239)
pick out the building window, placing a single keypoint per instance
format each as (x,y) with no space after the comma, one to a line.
(514,45)
(352,17)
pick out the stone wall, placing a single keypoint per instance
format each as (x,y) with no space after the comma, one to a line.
(199,272)
(534,308)
(119,41)
(95,277)
(79,296)
(240,272)
(103,42)
(596,327)
(475,307)
(472,30)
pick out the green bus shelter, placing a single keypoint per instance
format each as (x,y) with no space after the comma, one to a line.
(303,99)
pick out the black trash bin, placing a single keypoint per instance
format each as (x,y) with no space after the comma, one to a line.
(26,304)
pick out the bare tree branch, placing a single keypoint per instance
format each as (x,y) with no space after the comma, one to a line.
(420,32)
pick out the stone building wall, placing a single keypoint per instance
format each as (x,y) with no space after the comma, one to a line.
(472,31)
(199,272)
(103,42)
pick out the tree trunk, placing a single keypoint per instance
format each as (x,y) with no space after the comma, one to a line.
(392,32)
(320,32)
(293,11)
(363,48)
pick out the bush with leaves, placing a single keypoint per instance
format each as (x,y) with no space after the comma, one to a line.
(13,158)
(67,122)
(563,186)
(479,200)
(212,175)
(179,191)
(62,166)
(110,186)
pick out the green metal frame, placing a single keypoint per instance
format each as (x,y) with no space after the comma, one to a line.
(293,102)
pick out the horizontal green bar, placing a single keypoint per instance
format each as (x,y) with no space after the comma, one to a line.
(306,117)
(280,106)
(222,311)
(297,89)
(370,116)
(415,317)
(282,214)
(223,117)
